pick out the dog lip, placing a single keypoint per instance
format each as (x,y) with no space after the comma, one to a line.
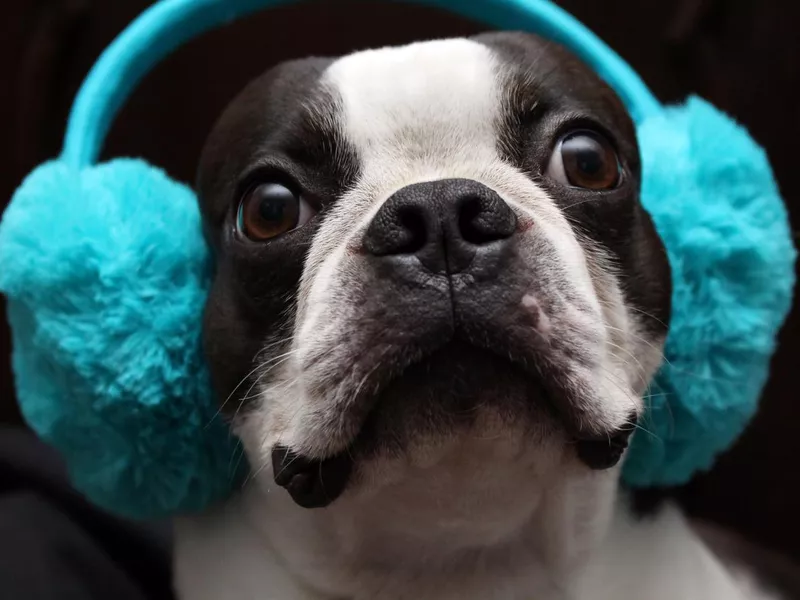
(452,344)
(312,483)
(604,453)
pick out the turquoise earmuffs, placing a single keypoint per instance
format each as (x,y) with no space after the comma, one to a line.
(106,271)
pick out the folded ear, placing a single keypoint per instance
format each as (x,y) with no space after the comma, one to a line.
(106,272)
(711,192)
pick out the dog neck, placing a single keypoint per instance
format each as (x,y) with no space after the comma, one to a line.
(400,541)
(260,545)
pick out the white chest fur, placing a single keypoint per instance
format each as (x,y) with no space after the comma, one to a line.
(226,554)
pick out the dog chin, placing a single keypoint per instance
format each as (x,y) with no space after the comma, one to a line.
(459,412)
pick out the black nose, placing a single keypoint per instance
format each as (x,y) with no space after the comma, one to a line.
(443,223)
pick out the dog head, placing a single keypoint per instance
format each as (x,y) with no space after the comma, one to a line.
(433,273)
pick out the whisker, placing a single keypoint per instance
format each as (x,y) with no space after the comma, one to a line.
(256,381)
(641,374)
(634,309)
(258,366)
(636,337)
(238,385)
(667,362)
(235,468)
(578,203)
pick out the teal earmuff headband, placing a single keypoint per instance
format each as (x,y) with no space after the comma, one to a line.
(171,23)
(105,292)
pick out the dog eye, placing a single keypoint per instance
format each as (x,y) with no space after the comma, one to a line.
(585,159)
(269,210)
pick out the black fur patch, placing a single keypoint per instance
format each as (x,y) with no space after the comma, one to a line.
(548,92)
(281,127)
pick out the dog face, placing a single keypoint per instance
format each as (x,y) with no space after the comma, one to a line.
(432,268)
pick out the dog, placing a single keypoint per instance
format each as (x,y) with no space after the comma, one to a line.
(436,309)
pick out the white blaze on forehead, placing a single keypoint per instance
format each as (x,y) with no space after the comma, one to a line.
(419,103)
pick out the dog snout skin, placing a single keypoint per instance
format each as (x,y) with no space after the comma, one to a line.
(443,224)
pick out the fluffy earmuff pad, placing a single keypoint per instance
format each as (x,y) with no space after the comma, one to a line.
(106,272)
(711,192)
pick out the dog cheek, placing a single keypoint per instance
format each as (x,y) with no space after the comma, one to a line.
(229,343)
(248,319)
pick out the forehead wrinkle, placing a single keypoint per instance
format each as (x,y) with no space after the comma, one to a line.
(323,126)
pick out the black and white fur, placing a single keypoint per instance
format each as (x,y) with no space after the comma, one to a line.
(466,401)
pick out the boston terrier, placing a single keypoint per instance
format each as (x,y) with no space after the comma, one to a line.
(437,307)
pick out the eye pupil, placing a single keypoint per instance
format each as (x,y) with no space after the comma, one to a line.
(268,210)
(589,161)
(274,207)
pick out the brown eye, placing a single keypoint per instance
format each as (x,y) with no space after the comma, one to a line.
(585,159)
(269,210)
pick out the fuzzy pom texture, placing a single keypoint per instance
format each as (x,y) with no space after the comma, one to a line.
(106,273)
(712,195)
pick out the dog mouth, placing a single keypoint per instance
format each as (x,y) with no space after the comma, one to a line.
(436,394)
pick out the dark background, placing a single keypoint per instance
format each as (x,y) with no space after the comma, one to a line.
(740,54)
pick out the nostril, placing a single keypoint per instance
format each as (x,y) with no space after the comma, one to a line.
(472,230)
(415,233)
(482,220)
